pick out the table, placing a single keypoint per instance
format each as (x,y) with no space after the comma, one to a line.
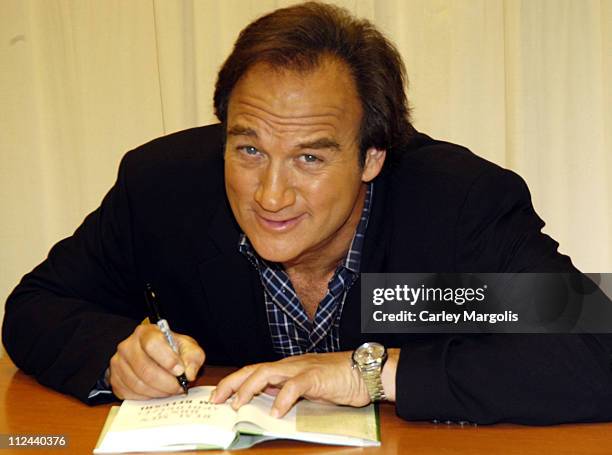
(26,407)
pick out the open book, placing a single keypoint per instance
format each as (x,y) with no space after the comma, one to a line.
(191,422)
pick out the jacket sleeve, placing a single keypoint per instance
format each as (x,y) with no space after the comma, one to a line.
(535,379)
(64,320)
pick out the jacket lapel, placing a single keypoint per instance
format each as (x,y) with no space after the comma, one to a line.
(372,260)
(234,294)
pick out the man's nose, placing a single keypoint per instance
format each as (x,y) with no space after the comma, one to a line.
(275,191)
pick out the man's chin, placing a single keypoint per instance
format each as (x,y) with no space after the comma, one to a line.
(278,258)
(280,254)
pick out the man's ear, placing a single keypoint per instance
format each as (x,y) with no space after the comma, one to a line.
(374,161)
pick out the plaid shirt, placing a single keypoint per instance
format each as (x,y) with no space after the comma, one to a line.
(291,330)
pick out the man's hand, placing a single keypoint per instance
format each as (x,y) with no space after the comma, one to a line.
(145,366)
(319,377)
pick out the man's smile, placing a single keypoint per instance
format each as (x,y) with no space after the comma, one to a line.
(280,224)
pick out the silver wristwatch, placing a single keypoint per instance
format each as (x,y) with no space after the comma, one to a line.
(369,358)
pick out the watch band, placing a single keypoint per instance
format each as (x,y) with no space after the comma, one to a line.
(373,383)
(370,358)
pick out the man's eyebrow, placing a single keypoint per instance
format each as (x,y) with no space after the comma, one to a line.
(239,130)
(323,143)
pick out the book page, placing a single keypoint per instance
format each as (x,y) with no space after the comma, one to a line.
(190,409)
(257,411)
(310,421)
(184,422)
(337,420)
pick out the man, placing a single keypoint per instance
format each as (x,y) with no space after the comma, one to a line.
(254,233)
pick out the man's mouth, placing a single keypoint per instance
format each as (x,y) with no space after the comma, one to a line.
(278,225)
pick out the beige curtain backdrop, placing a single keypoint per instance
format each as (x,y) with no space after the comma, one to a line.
(525,84)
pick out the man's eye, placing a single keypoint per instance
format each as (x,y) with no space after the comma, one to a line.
(249,150)
(309,158)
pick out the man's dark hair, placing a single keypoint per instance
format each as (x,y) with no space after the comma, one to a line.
(297,37)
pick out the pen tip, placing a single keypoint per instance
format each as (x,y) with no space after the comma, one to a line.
(184,383)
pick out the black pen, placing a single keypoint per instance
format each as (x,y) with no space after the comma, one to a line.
(155,318)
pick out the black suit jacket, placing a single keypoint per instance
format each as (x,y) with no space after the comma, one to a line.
(167,221)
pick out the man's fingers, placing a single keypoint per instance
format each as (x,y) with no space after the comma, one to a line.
(265,375)
(139,367)
(154,344)
(145,365)
(326,377)
(288,395)
(132,384)
(271,390)
(192,354)
(229,384)
(141,383)
(121,391)
(189,360)
(250,380)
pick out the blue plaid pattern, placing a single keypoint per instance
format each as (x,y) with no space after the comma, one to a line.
(291,330)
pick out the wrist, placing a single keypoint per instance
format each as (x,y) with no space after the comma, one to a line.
(389,370)
(370,359)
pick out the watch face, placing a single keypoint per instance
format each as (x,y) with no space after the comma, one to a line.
(368,353)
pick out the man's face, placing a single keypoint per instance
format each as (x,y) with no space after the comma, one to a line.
(292,171)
